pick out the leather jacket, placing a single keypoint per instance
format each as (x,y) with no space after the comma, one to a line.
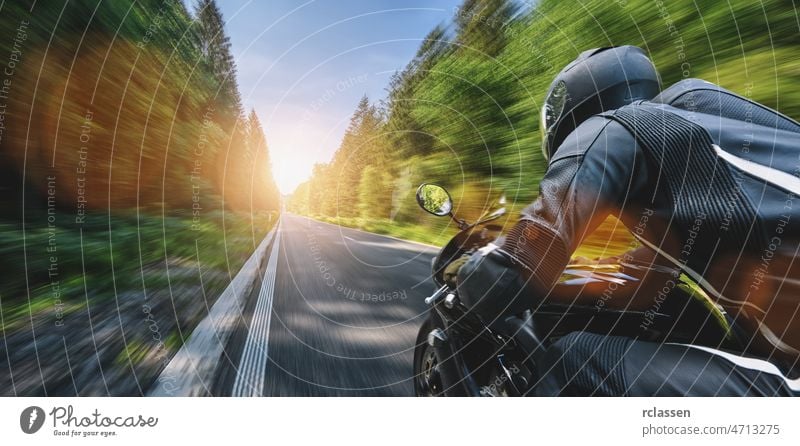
(603,168)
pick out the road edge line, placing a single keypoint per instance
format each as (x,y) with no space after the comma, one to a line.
(251,372)
(371,233)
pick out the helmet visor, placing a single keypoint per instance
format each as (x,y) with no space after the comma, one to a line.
(551,113)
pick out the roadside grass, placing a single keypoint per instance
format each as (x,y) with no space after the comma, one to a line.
(611,238)
(57,269)
(436,236)
(136,351)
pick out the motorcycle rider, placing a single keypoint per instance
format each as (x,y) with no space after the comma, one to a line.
(715,174)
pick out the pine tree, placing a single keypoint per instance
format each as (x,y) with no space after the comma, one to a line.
(374,193)
(265,192)
(215,46)
(321,196)
(481,24)
(360,147)
(233,164)
(405,133)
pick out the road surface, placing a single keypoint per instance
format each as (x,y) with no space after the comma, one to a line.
(337,313)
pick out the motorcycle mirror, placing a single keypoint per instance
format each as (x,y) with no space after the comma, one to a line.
(434,199)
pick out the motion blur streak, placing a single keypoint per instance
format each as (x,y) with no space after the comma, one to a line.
(134,183)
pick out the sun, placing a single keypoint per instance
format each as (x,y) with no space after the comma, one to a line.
(289,170)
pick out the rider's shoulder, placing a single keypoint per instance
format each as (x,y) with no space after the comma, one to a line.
(578,142)
(597,131)
(684,90)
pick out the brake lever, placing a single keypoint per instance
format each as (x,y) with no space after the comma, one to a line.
(434,298)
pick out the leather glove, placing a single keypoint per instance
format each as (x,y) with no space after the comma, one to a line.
(489,284)
(451,271)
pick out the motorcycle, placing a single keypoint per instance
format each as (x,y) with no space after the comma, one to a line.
(459,354)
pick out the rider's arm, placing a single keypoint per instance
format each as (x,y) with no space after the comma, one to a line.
(597,171)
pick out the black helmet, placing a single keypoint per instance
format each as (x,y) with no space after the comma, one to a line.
(598,80)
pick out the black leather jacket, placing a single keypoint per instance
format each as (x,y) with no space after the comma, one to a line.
(602,169)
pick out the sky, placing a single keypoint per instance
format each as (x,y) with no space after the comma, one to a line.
(303,65)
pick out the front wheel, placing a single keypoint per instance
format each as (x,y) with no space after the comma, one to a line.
(427,378)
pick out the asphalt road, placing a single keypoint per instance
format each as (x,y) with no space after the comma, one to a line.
(337,314)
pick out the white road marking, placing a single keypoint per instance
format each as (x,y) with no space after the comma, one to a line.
(192,369)
(252,367)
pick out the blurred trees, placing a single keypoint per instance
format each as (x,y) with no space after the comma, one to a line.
(262,186)
(480,25)
(373,190)
(215,47)
(464,112)
(404,133)
(335,188)
(128,104)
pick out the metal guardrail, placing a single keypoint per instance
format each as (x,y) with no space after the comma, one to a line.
(192,369)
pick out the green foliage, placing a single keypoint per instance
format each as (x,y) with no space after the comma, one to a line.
(464,111)
(215,46)
(124,120)
(480,25)
(127,104)
(123,244)
(373,189)
(263,187)
(115,255)
(335,188)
